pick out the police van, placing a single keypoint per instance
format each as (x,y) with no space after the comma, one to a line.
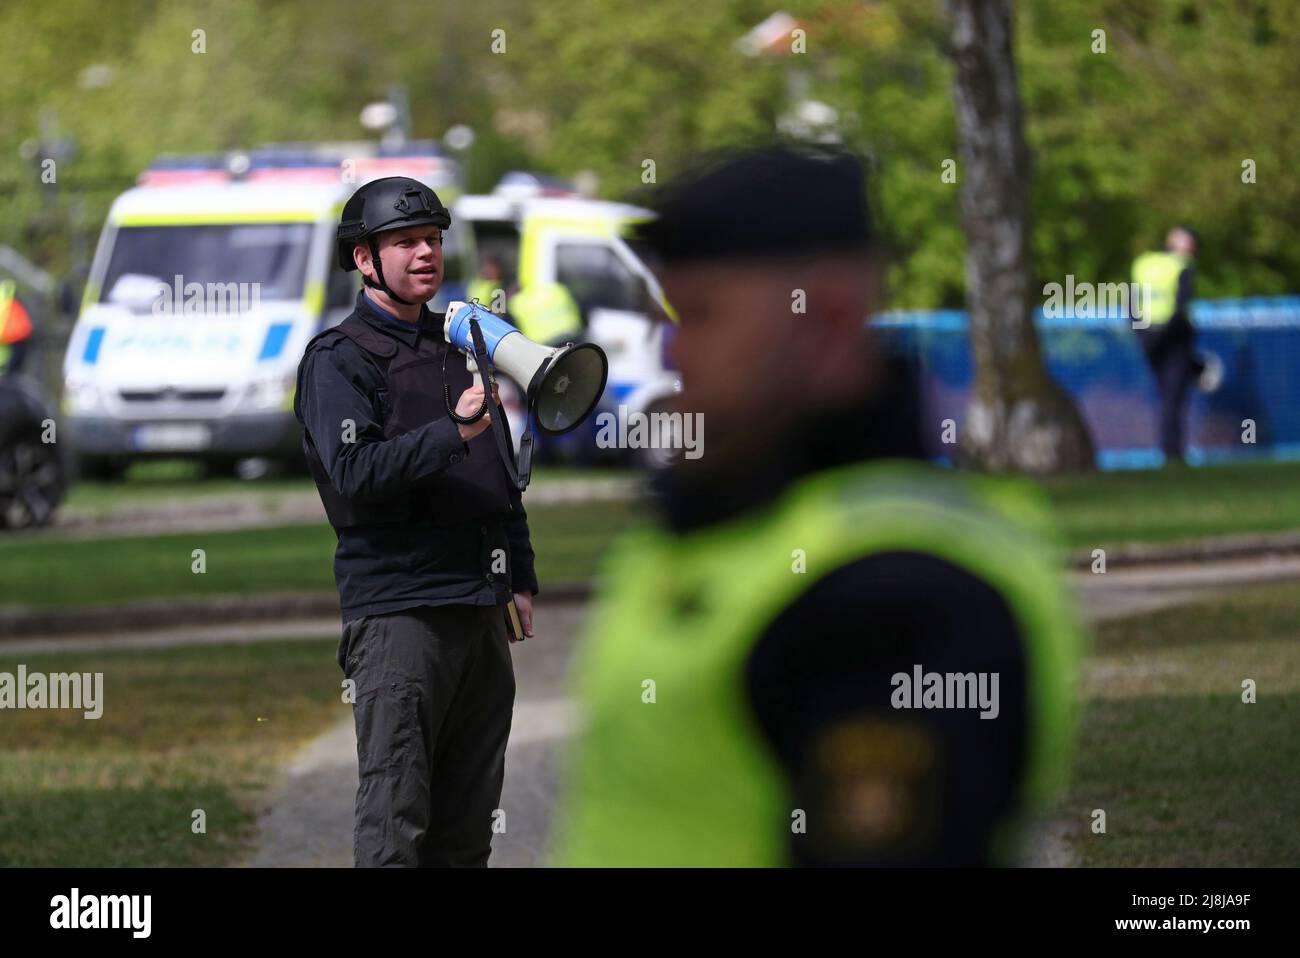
(209,278)
(542,231)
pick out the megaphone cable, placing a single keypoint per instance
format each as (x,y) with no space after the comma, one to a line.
(519,475)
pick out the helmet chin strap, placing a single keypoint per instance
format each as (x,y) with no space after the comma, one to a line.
(379,274)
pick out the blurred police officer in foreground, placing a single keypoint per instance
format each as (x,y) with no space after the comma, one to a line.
(1167,336)
(742,686)
(432,541)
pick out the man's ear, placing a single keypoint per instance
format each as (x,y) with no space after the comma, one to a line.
(361,256)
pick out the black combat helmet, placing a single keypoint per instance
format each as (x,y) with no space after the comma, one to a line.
(390,203)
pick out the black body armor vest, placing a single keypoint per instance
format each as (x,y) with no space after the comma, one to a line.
(412,395)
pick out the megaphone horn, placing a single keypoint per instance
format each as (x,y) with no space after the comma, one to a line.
(562,384)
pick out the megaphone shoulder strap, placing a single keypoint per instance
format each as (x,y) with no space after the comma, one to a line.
(520,473)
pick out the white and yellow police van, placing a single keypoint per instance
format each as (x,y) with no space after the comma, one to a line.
(209,278)
(541,231)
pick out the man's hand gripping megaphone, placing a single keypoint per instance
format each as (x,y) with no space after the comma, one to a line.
(472,414)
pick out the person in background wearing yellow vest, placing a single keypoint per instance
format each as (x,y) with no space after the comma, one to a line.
(826,650)
(546,313)
(1165,331)
(485,285)
(15,330)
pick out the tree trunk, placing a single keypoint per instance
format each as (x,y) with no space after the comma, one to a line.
(1018,418)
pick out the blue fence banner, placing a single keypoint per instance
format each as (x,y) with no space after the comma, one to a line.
(1098,361)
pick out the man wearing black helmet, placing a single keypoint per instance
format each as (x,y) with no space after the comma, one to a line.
(433,541)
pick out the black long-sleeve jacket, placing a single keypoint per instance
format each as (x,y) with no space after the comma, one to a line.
(344,401)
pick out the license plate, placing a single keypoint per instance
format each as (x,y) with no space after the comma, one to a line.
(172,436)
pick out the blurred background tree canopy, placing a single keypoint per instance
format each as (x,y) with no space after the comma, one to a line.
(1153,130)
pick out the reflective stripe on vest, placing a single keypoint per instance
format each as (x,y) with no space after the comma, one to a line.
(691,779)
(1156,276)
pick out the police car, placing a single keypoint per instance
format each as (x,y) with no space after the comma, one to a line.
(542,231)
(209,278)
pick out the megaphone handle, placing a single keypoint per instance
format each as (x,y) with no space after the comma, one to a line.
(477,373)
(519,474)
(479,350)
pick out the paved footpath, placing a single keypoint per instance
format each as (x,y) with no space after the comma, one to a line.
(307,819)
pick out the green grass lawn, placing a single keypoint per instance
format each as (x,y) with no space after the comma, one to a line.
(181,479)
(50,572)
(182,729)
(1187,774)
(172,479)
(1111,508)
(1098,510)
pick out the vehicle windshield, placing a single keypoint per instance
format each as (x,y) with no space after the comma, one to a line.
(269,257)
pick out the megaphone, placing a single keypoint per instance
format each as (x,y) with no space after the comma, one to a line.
(562,384)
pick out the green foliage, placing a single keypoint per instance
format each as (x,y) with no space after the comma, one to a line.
(272,71)
(1126,142)
(1152,131)
(1155,131)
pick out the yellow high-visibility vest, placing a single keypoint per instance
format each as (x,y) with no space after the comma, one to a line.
(545,312)
(691,780)
(484,290)
(1156,276)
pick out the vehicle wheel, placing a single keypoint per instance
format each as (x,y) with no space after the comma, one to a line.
(32,482)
